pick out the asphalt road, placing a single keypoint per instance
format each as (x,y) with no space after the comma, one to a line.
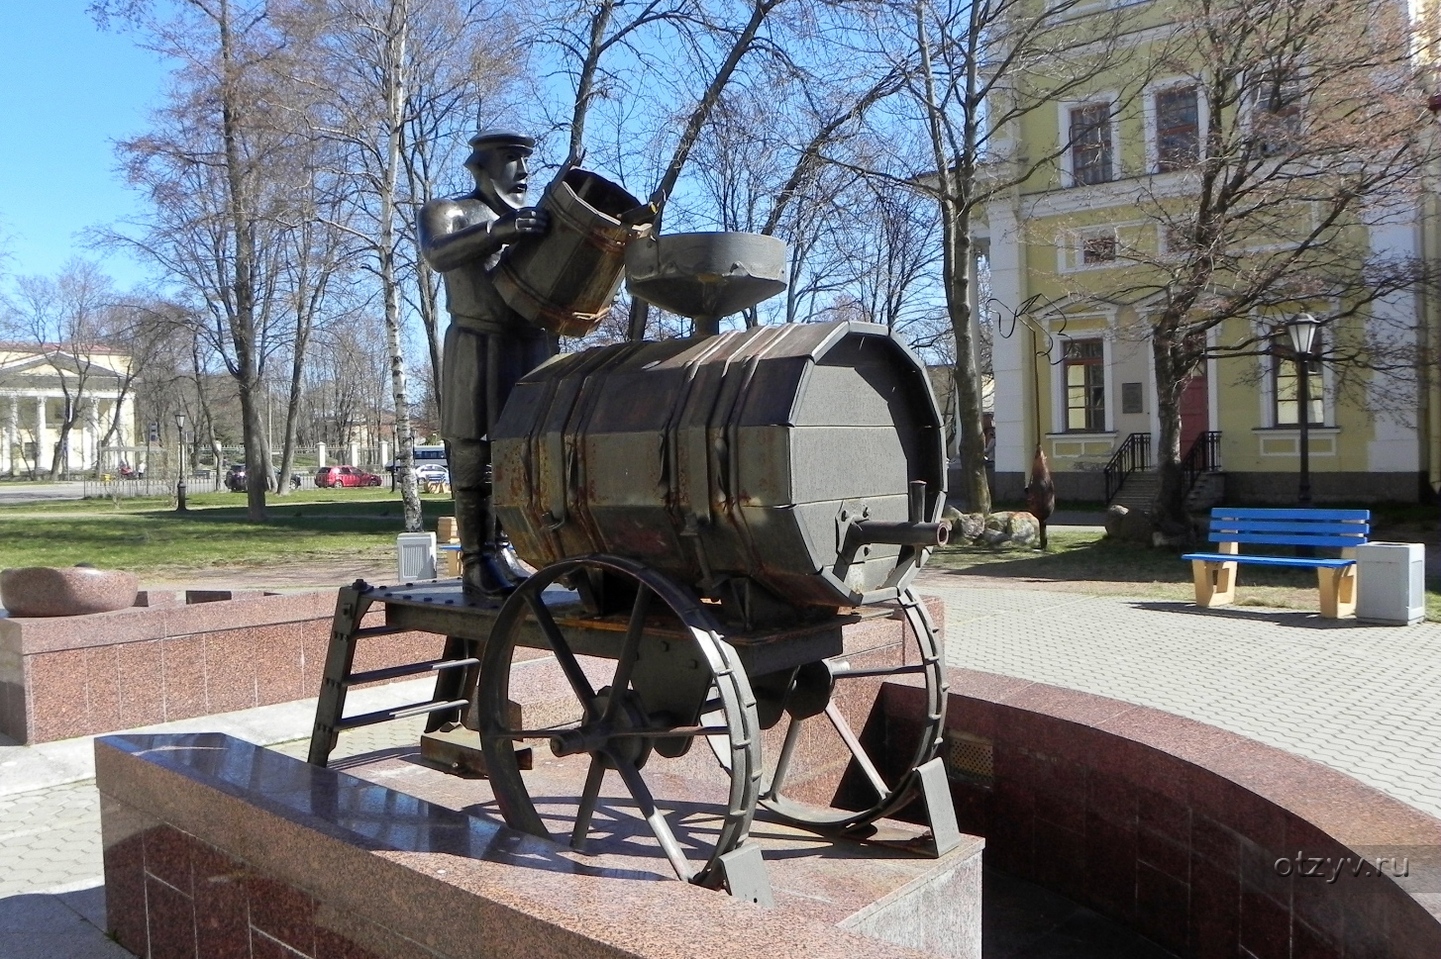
(39,492)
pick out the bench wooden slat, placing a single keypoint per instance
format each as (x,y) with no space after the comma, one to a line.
(1291,526)
(1221,512)
(1297,561)
(1272,539)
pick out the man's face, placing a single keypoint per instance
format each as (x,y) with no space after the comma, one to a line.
(503,176)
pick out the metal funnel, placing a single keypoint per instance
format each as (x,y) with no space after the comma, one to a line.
(706,275)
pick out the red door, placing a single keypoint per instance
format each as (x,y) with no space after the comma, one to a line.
(1195,410)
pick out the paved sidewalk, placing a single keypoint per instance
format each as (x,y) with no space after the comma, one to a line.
(1365,700)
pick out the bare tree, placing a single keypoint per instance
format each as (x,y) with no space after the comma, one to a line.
(975,70)
(1314,135)
(379,71)
(206,167)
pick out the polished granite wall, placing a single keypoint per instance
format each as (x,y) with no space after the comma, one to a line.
(178,656)
(1176,828)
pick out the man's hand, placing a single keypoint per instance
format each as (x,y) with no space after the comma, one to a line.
(527,221)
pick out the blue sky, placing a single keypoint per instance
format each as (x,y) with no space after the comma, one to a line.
(67,93)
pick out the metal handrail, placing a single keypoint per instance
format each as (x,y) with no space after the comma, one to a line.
(1133,454)
(1204,456)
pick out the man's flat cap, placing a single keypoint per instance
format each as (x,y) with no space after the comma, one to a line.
(490,139)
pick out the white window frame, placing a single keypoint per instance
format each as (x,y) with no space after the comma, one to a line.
(1250,109)
(1152,120)
(1063,122)
(1267,361)
(1059,426)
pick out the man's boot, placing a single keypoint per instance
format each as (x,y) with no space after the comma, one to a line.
(482,569)
(509,559)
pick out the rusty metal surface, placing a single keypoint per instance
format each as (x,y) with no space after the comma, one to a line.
(565,281)
(726,458)
(444,609)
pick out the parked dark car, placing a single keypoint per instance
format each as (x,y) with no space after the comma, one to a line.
(331,476)
(235,479)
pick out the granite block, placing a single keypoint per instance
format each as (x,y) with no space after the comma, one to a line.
(1163,816)
(1225,790)
(1261,873)
(1214,929)
(331,945)
(167,857)
(265,947)
(278,653)
(13,713)
(231,670)
(170,921)
(1265,925)
(1060,792)
(442,881)
(57,695)
(1112,799)
(1110,867)
(140,675)
(1308,943)
(222,928)
(282,913)
(1215,845)
(1163,854)
(122,833)
(1163,908)
(102,689)
(1060,859)
(183,676)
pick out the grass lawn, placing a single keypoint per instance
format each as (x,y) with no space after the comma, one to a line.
(148,536)
(1092,562)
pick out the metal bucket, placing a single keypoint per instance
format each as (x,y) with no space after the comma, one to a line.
(565,281)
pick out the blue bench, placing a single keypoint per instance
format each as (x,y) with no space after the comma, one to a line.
(1343,529)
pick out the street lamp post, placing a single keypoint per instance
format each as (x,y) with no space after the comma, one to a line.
(180,484)
(1303,337)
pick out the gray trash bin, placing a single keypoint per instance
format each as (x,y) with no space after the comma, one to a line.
(1391,583)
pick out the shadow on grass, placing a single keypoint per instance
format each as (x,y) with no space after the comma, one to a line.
(325,517)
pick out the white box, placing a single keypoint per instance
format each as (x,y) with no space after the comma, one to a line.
(1391,583)
(415,556)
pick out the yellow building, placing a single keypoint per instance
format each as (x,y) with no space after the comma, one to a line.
(1087,252)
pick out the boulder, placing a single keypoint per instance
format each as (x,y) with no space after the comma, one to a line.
(969,527)
(1129,525)
(1024,529)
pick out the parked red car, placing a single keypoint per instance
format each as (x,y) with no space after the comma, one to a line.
(329,476)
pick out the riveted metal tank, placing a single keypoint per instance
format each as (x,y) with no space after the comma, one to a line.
(800,458)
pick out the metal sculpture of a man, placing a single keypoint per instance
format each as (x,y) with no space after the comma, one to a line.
(488,346)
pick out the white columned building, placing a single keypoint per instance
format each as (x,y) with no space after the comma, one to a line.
(36,391)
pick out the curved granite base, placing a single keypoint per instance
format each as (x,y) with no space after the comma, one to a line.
(1206,842)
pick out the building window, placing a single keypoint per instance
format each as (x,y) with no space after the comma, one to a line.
(1090,138)
(1085,371)
(1278,114)
(1286,383)
(1098,249)
(1178,129)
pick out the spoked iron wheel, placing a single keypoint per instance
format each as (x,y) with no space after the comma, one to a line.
(878,793)
(667,668)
